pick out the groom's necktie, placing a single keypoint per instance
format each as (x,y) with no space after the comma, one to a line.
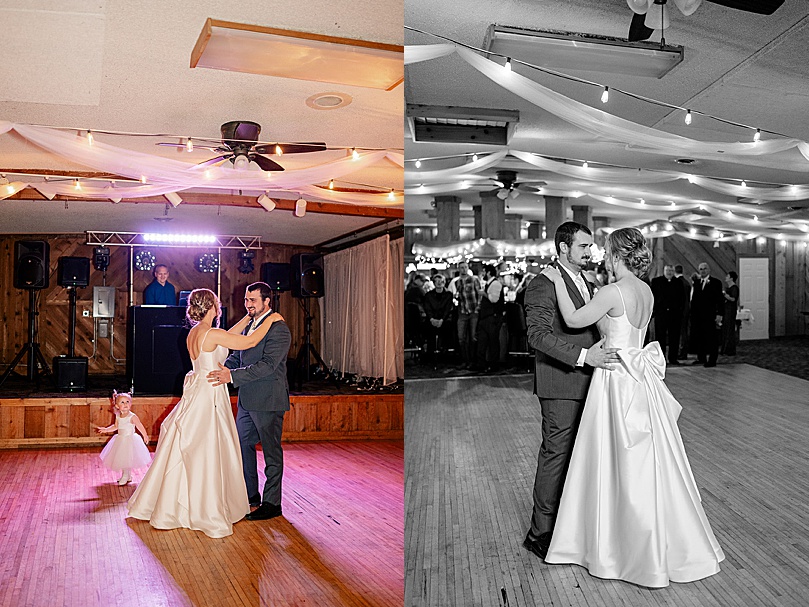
(249,326)
(579,280)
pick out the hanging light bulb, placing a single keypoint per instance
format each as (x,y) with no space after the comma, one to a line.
(657,17)
(744,183)
(642,201)
(189,145)
(474,157)
(585,165)
(278,150)
(757,136)
(688,117)
(508,64)
(331,184)
(418,163)
(77,185)
(391,195)
(143,178)
(89,137)
(355,155)
(605,96)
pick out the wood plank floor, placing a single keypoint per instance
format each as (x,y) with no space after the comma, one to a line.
(471,449)
(65,539)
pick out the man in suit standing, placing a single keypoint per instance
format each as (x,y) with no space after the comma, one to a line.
(707,308)
(687,286)
(260,374)
(565,359)
(669,299)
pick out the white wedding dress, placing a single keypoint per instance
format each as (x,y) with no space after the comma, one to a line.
(196,479)
(630,508)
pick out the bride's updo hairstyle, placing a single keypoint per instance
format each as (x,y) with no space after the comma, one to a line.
(199,302)
(630,246)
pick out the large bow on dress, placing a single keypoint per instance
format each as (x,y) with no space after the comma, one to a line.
(640,360)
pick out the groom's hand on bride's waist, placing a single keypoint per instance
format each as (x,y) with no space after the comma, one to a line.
(599,356)
(219,376)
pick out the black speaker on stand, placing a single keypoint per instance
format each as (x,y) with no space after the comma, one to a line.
(31,272)
(306,282)
(71,370)
(277,276)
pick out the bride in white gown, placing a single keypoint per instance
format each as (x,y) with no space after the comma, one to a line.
(630,508)
(196,480)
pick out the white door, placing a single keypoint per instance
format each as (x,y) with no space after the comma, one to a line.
(754,293)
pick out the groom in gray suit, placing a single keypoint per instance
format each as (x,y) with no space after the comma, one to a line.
(260,374)
(565,359)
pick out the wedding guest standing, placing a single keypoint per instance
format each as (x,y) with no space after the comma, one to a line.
(707,310)
(731,296)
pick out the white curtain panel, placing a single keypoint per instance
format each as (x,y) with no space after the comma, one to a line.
(362,318)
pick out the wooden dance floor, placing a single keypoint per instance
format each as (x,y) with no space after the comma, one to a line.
(472,445)
(65,539)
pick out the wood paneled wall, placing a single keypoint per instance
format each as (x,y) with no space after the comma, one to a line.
(69,421)
(108,356)
(789,272)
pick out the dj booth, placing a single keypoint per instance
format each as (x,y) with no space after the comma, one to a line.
(157,355)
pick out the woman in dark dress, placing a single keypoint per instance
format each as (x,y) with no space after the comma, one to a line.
(729,318)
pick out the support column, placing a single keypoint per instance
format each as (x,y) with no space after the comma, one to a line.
(554,213)
(534,230)
(512,225)
(598,223)
(448,217)
(583,214)
(492,216)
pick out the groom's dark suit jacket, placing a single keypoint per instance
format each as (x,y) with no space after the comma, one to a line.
(260,372)
(557,345)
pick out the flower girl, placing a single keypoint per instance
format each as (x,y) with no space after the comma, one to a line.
(124,451)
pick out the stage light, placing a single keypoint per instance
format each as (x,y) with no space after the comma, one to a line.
(101,258)
(246,261)
(144,260)
(300,207)
(207,263)
(266,202)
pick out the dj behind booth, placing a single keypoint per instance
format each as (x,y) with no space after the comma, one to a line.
(157,357)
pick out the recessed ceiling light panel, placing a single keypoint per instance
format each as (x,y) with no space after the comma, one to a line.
(329,101)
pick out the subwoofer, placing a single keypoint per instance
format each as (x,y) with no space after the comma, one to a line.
(73,272)
(276,275)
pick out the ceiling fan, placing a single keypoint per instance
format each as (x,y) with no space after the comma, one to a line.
(509,187)
(652,12)
(240,146)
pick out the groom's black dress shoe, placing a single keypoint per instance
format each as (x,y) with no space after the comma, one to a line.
(263,512)
(538,545)
(255,500)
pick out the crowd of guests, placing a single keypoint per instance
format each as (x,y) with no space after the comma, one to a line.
(480,318)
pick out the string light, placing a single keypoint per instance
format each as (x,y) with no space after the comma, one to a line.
(418,163)
(189,145)
(757,136)
(355,155)
(744,183)
(143,179)
(77,185)
(688,117)
(474,157)
(391,195)
(605,96)
(585,165)
(331,184)
(89,137)
(508,64)
(278,150)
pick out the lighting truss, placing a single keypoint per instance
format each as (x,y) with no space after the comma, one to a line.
(139,239)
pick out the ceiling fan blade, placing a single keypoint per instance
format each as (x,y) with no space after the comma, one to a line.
(214,160)
(638,30)
(292,148)
(265,163)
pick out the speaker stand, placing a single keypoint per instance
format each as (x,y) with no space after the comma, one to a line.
(31,348)
(307,350)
